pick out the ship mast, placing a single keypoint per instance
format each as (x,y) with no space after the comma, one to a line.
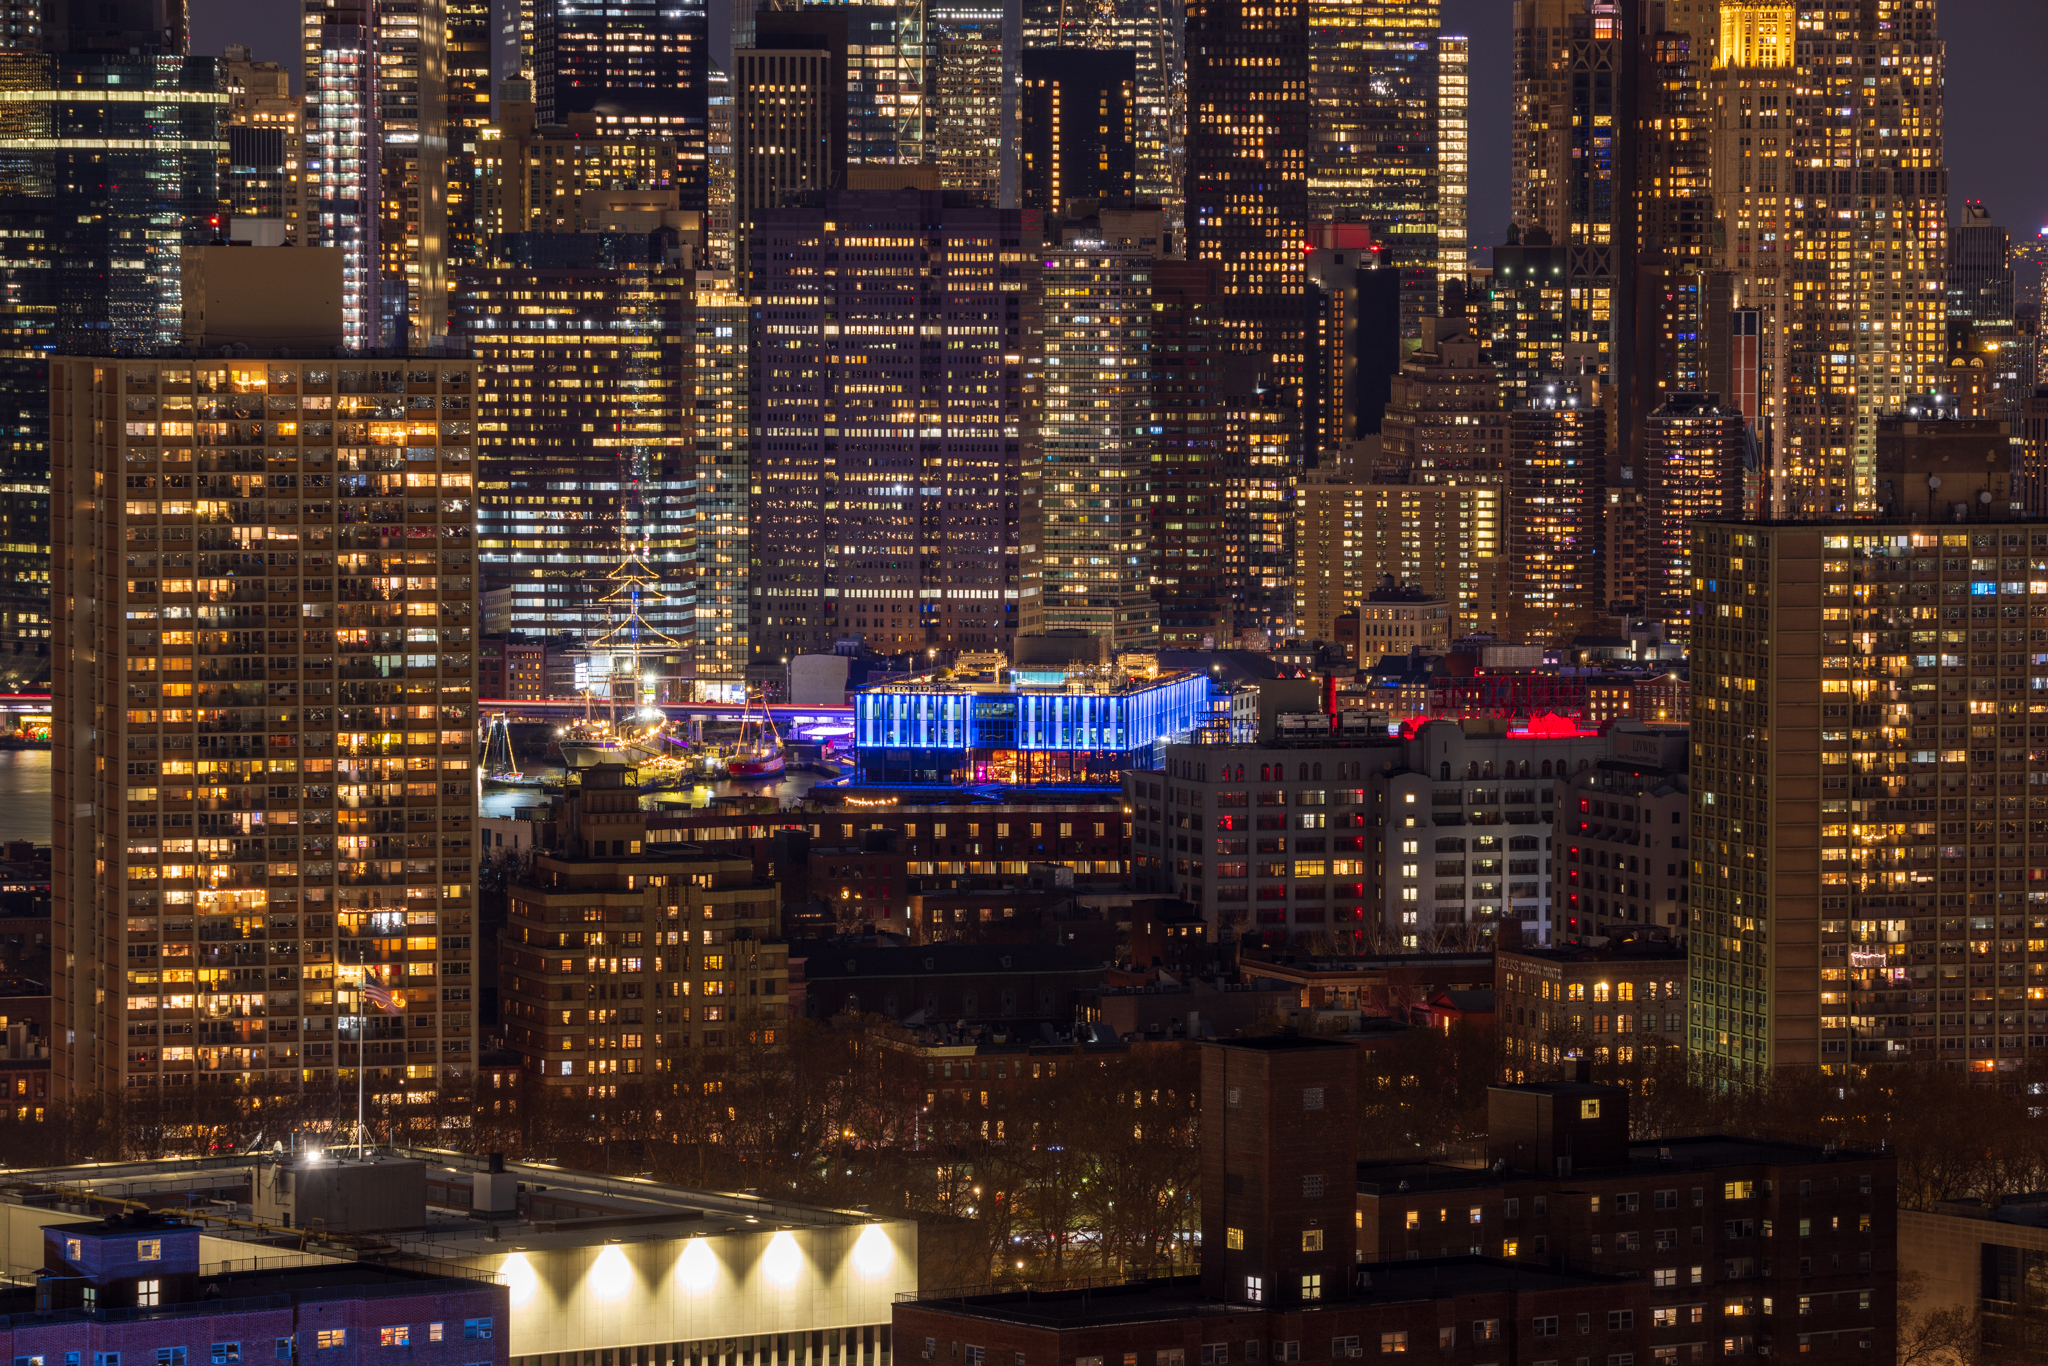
(633,583)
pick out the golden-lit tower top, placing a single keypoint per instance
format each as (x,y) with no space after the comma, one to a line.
(1757,33)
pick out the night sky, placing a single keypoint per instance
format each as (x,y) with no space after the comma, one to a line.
(1995,52)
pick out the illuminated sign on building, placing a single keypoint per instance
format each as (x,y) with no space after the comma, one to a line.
(1039,722)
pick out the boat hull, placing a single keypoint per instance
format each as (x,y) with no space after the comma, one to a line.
(770,767)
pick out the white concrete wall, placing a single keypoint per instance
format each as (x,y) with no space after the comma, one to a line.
(633,1293)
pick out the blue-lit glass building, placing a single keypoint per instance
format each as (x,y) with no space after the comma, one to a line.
(927,731)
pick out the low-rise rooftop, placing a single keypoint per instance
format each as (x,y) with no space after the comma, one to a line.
(1424,1280)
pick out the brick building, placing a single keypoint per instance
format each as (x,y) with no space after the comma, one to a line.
(1621,1003)
(975,983)
(1739,1248)
(1279,1281)
(1620,840)
(1388,984)
(131,1287)
(618,951)
(969,844)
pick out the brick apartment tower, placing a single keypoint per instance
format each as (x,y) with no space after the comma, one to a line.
(1279,1165)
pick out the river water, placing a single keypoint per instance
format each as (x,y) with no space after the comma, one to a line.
(25,795)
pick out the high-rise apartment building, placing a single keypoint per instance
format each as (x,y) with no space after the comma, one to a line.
(1528,315)
(1444,422)
(1086,521)
(1691,471)
(109,185)
(265,151)
(889,421)
(585,400)
(344,156)
(973,51)
(264,694)
(1862,778)
(1448,541)
(1375,87)
(1078,127)
(1556,485)
(411,103)
(467,99)
(655,53)
(673,949)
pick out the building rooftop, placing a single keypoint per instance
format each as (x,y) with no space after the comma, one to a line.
(824,958)
(1601,950)
(1051,679)
(227,1292)
(1297,964)
(1705,1152)
(1282,1043)
(1425,1280)
(557,1207)
(2030,1209)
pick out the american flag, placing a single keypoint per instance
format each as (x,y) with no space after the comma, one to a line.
(382,997)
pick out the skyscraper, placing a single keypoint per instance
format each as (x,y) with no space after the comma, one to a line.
(412,195)
(231,798)
(1354,339)
(788,133)
(105,186)
(1152,31)
(582,348)
(1853,292)
(1691,471)
(889,415)
(719,576)
(1576,161)
(1528,314)
(265,150)
(1556,488)
(1189,357)
(656,53)
(1249,140)
(973,49)
(1087,534)
(1077,127)
(598,172)
(468,103)
(1453,157)
(1376,86)
(344,156)
(1757,89)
